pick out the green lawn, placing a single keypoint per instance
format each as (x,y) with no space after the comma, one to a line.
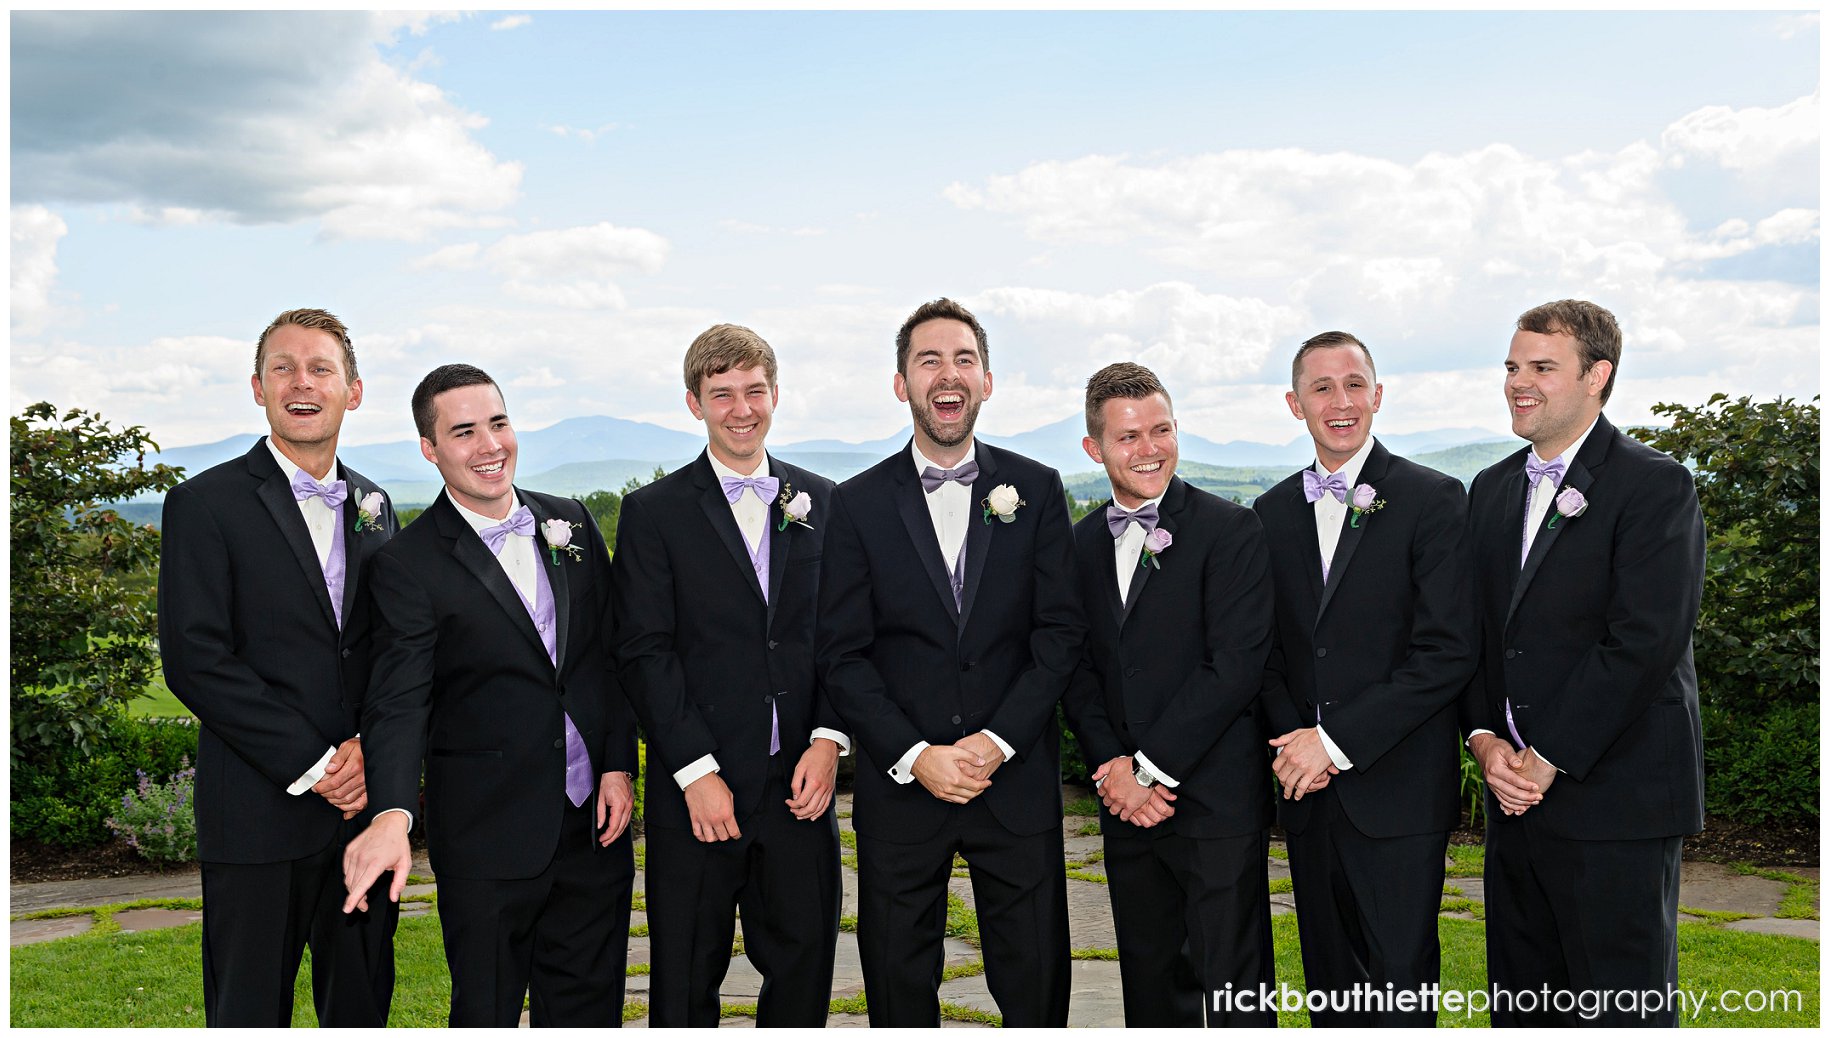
(113,979)
(157,702)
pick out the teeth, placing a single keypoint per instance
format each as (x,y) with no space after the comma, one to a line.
(488,470)
(303,408)
(950,398)
(1341,423)
(1152,467)
(742,430)
(1524,402)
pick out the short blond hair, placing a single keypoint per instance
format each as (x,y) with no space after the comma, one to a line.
(319,320)
(722,348)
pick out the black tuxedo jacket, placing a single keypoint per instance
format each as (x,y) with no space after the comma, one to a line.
(250,644)
(1591,640)
(1174,670)
(701,655)
(902,664)
(1385,647)
(462,681)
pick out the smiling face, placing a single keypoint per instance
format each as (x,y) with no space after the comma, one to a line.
(1137,446)
(1551,399)
(474,449)
(736,406)
(1336,398)
(944,383)
(305,388)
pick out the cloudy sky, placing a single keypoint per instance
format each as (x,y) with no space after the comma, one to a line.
(566,199)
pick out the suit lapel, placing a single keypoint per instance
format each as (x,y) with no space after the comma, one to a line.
(781,535)
(912,505)
(275,492)
(558,575)
(356,546)
(1105,552)
(978,532)
(1173,500)
(717,510)
(1581,476)
(471,553)
(1372,472)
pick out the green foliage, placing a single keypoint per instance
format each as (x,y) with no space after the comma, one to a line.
(1473,789)
(1073,763)
(157,819)
(82,637)
(606,506)
(65,797)
(1751,762)
(407,515)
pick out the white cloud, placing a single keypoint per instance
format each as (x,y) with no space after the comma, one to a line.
(1748,138)
(573,267)
(36,232)
(513,21)
(583,134)
(182,117)
(746,227)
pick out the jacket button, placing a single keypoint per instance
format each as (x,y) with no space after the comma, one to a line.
(955,719)
(1510,653)
(1320,652)
(965,665)
(559,743)
(772,644)
(1130,672)
(346,654)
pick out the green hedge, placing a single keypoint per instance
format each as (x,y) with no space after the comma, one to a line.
(1760,763)
(65,798)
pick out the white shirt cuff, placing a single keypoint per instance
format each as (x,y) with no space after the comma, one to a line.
(903,771)
(695,771)
(1479,731)
(1003,747)
(1545,759)
(1334,752)
(1155,771)
(313,775)
(841,738)
(395,810)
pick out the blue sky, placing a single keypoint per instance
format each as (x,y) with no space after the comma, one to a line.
(567,198)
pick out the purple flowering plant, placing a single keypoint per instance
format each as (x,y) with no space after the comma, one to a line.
(157,820)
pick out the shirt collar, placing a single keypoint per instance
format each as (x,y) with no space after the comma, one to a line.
(290,468)
(478,521)
(922,461)
(721,470)
(1157,500)
(1569,456)
(1350,471)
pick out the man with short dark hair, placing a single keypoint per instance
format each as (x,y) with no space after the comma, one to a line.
(493,668)
(1375,640)
(949,626)
(1583,711)
(1178,593)
(715,587)
(264,635)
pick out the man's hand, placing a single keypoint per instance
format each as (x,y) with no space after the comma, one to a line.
(1537,769)
(344,784)
(985,752)
(1504,770)
(380,847)
(948,773)
(714,814)
(1131,802)
(1304,765)
(814,778)
(615,805)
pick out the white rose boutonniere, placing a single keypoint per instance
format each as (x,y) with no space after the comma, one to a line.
(368,511)
(795,507)
(1003,503)
(558,534)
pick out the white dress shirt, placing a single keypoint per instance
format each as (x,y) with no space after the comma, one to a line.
(752,515)
(1330,514)
(1538,502)
(1127,550)
(321,521)
(950,509)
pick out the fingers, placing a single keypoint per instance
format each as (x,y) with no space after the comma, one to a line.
(1286,738)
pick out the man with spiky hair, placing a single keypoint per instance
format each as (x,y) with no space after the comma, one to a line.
(264,634)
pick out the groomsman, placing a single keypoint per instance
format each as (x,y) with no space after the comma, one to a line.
(1583,713)
(493,668)
(949,626)
(715,587)
(1178,593)
(1375,641)
(265,637)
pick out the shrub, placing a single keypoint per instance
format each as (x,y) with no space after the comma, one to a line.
(65,798)
(158,820)
(1751,758)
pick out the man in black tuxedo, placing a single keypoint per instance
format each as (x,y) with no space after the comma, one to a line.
(493,667)
(1178,594)
(715,587)
(1375,640)
(264,634)
(1583,712)
(949,626)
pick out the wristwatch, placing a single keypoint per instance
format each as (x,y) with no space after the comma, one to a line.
(1142,774)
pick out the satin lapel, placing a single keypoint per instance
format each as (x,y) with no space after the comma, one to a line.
(471,553)
(1301,517)
(356,546)
(558,575)
(913,507)
(1173,500)
(978,531)
(717,509)
(1107,552)
(1372,472)
(781,538)
(276,494)
(1582,479)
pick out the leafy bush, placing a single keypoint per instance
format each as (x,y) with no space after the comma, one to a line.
(158,820)
(65,798)
(1752,758)
(1473,789)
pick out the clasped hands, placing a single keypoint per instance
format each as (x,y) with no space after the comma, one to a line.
(1518,780)
(1303,764)
(1119,791)
(959,772)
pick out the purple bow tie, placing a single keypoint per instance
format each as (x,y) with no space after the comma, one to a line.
(333,494)
(1117,519)
(1315,485)
(932,478)
(1536,470)
(764,486)
(519,521)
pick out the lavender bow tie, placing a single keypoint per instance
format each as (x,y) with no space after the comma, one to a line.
(1536,470)
(519,521)
(333,494)
(1117,519)
(764,486)
(932,478)
(1315,485)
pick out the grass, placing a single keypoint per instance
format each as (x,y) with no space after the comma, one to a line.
(1713,917)
(1083,807)
(1466,860)
(157,702)
(1088,828)
(1280,852)
(1800,898)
